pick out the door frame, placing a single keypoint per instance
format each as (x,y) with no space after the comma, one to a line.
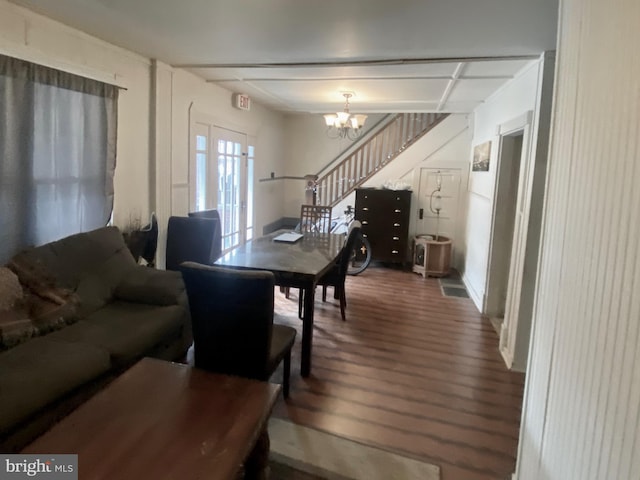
(213,122)
(516,254)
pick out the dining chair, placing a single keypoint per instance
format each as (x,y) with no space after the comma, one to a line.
(315,219)
(217,233)
(336,277)
(232,321)
(189,239)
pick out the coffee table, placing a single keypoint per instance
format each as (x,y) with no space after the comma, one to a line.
(165,420)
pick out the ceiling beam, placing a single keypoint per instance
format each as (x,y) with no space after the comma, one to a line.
(357,63)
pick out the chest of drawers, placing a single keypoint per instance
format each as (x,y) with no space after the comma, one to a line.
(384,215)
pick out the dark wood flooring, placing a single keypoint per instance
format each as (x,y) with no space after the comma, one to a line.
(410,371)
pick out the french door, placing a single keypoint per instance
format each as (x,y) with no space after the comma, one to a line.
(224,181)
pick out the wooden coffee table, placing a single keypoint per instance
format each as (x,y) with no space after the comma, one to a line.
(165,420)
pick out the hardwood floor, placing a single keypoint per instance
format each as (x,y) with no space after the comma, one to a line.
(410,371)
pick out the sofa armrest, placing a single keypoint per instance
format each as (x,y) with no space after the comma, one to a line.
(148,285)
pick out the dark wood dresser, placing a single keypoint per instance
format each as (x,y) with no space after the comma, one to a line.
(384,215)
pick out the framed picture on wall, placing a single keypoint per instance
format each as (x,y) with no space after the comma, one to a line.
(481,157)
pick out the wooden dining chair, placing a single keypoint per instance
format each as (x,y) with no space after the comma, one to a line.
(315,219)
(232,321)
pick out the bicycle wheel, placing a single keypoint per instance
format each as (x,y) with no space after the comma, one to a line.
(360,256)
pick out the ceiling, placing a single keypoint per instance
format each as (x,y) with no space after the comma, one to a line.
(298,56)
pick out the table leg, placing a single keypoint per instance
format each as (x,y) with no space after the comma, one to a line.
(307,330)
(256,466)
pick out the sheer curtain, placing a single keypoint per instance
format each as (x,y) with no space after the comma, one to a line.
(57,154)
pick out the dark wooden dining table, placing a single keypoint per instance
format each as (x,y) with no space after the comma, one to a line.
(298,265)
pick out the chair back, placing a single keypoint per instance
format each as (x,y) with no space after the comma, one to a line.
(315,219)
(345,254)
(189,239)
(232,318)
(151,244)
(217,234)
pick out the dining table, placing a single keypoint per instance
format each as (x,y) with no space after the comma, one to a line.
(298,264)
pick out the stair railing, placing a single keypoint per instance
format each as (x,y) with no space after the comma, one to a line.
(374,153)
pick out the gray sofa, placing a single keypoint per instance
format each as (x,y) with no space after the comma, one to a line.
(98,312)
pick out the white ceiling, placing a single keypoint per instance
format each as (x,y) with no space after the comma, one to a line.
(299,55)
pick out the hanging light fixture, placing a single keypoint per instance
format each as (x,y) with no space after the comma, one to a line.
(344,124)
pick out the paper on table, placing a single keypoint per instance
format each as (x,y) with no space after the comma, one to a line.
(289,237)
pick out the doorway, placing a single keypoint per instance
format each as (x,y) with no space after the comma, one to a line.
(504,219)
(223,180)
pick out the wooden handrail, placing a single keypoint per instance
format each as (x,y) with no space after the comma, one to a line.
(373,154)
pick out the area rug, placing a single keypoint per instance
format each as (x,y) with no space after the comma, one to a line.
(452,286)
(302,453)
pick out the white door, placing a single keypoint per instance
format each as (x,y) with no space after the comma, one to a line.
(429,222)
(224,180)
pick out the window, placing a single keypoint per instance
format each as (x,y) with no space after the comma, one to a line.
(57,154)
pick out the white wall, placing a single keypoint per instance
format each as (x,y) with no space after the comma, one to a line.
(264,128)
(308,150)
(152,167)
(581,416)
(513,100)
(31,37)
(445,146)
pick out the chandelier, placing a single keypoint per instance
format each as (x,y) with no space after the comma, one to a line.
(344,124)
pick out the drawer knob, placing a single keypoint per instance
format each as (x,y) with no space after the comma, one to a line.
(364,235)
(397,210)
(396,238)
(395,224)
(366,209)
(364,222)
(394,252)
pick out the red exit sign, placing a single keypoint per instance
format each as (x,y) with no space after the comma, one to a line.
(241,101)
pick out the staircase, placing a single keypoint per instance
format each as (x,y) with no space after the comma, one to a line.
(373,153)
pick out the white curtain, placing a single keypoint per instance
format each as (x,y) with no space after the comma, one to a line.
(57,154)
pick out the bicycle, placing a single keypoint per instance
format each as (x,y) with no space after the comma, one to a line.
(361,253)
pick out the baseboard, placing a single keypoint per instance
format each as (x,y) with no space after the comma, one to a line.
(475,296)
(283,222)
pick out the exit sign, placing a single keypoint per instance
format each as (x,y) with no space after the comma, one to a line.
(241,101)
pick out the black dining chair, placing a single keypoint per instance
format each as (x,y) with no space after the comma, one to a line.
(336,277)
(217,232)
(232,318)
(189,239)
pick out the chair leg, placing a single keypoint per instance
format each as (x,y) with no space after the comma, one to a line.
(300,303)
(324,293)
(343,305)
(286,371)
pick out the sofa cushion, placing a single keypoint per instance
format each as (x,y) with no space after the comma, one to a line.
(148,285)
(127,330)
(15,328)
(92,263)
(41,371)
